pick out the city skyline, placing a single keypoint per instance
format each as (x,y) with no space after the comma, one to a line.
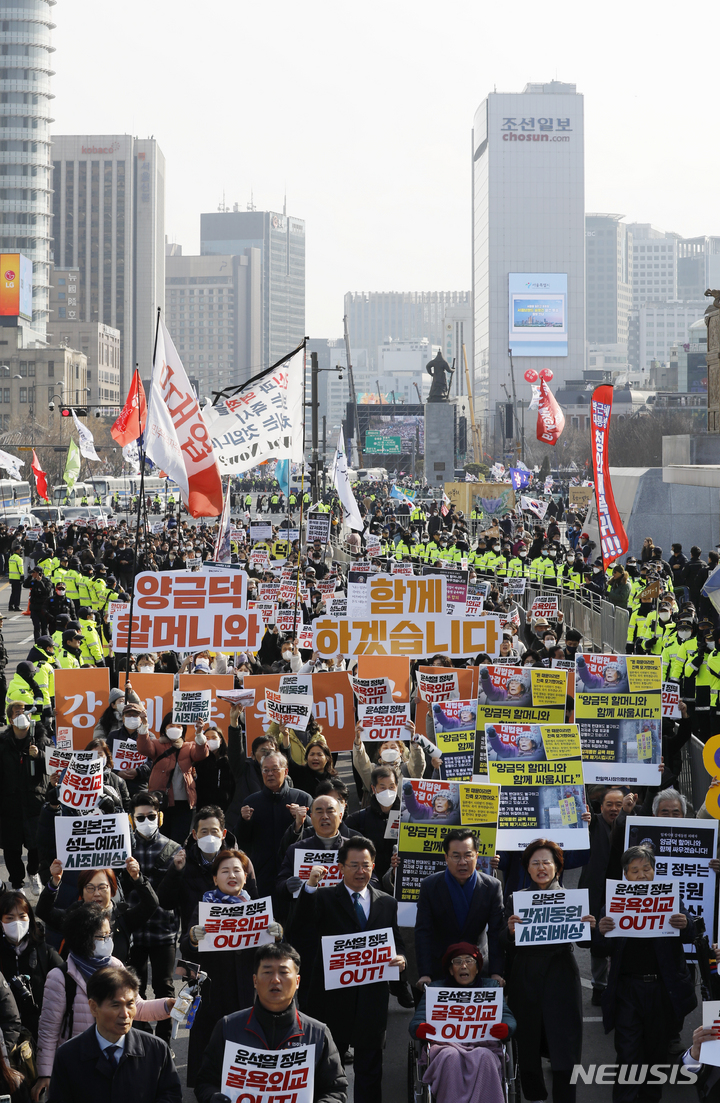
(373,153)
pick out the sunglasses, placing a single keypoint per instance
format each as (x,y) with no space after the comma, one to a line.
(151,816)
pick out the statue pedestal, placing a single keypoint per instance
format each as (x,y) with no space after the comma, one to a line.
(439,443)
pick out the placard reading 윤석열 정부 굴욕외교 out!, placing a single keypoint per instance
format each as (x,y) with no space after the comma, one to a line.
(618,708)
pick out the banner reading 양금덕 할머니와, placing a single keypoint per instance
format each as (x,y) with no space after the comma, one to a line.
(429,810)
(683,850)
(618,708)
(539,796)
(190,611)
(516,695)
(414,635)
(455,729)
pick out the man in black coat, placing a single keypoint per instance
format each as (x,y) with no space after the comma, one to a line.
(650,990)
(458,905)
(274,1023)
(358,1013)
(265,818)
(23,784)
(594,872)
(40,590)
(110,1061)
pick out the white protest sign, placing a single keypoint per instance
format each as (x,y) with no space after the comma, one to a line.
(403,568)
(117,607)
(56,760)
(126,756)
(292,710)
(641,909)
(296,683)
(349,961)
(337,607)
(392,827)
(372,691)
(710,1051)
(81,786)
(243,697)
(383,722)
(671,701)
(267,610)
(305,859)
(544,606)
(268,1075)
(318,527)
(93,842)
(191,706)
(235,926)
(260,530)
(438,687)
(551,917)
(463,1014)
(516,586)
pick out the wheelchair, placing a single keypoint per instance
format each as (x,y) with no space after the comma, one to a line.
(417,1063)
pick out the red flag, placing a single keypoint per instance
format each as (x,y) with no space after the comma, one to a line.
(40,478)
(613,538)
(131,422)
(551,419)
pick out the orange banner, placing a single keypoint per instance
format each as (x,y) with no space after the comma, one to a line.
(333,707)
(155,691)
(81,697)
(394,667)
(468,681)
(219,710)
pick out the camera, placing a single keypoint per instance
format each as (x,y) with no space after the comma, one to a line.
(21,989)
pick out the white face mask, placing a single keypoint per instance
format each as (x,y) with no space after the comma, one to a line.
(683,634)
(103,947)
(522,555)
(213,744)
(386,797)
(173,734)
(664,617)
(390,754)
(118,710)
(21,722)
(202,664)
(496,547)
(209,844)
(287,655)
(147,828)
(132,723)
(549,641)
(16,931)
(146,669)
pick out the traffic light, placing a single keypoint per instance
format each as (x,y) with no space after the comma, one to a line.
(66,411)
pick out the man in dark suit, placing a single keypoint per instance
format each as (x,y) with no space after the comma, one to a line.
(357,1015)
(110,1061)
(457,906)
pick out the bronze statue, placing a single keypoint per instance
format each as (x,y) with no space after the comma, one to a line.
(442,374)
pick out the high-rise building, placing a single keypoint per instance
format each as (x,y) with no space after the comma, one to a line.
(528,241)
(214,313)
(654,264)
(25,162)
(608,282)
(656,327)
(698,266)
(31,380)
(109,223)
(280,238)
(99,343)
(375,317)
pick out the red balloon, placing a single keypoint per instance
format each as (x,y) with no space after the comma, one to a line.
(546,374)
(530,376)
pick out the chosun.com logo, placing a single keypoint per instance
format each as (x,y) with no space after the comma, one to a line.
(536,137)
(633,1074)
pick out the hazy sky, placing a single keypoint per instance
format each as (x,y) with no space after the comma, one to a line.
(362,113)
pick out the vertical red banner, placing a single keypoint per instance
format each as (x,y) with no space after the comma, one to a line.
(613,538)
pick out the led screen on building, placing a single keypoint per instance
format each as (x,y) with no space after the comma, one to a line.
(538,313)
(15,286)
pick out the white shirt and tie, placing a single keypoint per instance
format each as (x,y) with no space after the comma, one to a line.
(363,898)
(118,1047)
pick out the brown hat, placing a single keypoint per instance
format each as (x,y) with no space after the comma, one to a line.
(542,622)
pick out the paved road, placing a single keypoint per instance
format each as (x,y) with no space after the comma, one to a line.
(597,1049)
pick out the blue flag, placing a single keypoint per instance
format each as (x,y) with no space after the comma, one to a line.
(711,589)
(282,474)
(519,478)
(402,496)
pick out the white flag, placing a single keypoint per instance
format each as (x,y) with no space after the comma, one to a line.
(87,442)
(342,484)
(11,464)
(131,455)
(535,505)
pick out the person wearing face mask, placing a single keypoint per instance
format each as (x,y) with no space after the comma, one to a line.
(173,772)
(58,604)
(598,583)
(189,875)
(145,664)
(111,719)
(88,938)
(371,821)
(660,628)
(24,953)
(518,566)
(25,689)
(114,785)
(23,785)
(573,640)
(229,972)
(409,760)
(687,630)
(702,680)
(214,779)
(155,940)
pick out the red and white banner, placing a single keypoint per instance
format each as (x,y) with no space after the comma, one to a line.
(238,926)
(40,479)
(131,422)
(551,419)
(176,437)
(359,959)
(613,538)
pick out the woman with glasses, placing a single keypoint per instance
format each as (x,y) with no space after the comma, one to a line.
(100,886)
(461,964)
(544,988)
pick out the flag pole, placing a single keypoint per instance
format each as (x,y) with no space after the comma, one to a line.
(141,502)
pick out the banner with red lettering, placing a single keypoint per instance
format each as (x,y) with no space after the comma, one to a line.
(238,926)
(550,419)
(359,959)
(613,538)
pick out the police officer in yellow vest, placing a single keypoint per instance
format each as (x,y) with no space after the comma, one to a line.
(24,687)
(68,657)
(90,649)
(704,667)
(43,656)
(16,571)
